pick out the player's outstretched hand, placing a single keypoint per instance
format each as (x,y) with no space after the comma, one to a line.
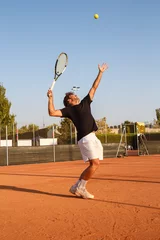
(49,93)
(103,67)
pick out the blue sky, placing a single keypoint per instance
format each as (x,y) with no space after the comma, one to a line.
(126,36)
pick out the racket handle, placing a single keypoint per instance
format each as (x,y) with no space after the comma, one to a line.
(52,85)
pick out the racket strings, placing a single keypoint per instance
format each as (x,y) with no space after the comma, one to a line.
(61,64)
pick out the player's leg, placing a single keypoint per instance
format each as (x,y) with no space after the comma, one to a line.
(79,188)
(90,148)
(85,177)
(90,170)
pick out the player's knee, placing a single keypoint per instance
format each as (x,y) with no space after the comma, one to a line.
(95,163)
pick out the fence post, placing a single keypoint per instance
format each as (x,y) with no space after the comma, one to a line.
(34,136)
(7,145)
(53,144)
(13,136)
(71,131)
(75,133)
(17,134)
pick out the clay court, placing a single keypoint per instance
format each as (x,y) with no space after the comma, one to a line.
(35,203)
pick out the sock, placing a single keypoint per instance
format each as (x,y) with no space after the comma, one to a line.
(77,183)
(83,183)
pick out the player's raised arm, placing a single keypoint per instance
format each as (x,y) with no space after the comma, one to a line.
(97,80)
(51,109)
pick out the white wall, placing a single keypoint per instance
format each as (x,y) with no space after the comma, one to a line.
(48,141)
(24,143)
(152,130)
(4,143)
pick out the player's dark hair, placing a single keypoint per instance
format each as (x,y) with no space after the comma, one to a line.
(65,100)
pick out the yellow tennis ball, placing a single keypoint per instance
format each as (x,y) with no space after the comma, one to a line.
(96,16)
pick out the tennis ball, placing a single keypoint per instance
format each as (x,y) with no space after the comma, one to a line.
(96,16)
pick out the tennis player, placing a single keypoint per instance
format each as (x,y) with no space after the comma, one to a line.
(90,146)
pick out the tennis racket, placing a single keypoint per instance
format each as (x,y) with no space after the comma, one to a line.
(60,67)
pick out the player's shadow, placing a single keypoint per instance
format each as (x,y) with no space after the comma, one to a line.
(18,189)
(118,179)
(13,188)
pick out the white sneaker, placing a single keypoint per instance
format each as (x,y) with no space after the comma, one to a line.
(84,193)
(73,190)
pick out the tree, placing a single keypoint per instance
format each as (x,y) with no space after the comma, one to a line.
(23,129)
(102,125)
(64,129)
(5,117)
(30,128)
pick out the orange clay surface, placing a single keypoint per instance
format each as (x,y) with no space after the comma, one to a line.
(35,203)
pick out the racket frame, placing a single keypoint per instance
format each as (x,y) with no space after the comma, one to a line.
(56,76)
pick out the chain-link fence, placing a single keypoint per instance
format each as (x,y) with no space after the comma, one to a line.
(42,145)
(50,144)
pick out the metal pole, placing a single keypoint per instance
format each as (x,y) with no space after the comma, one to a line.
(105,133)
(33,136)
(121,129)
(138,147)
(120,142)
(75,132)
(17,134)
(71,131)
(53,144)
(126,140)
(13,136)
(7,145)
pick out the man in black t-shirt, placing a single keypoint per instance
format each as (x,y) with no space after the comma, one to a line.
(80,114)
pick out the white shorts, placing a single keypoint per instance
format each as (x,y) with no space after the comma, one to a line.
(90,147)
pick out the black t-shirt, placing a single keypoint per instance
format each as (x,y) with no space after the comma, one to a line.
(81,117)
